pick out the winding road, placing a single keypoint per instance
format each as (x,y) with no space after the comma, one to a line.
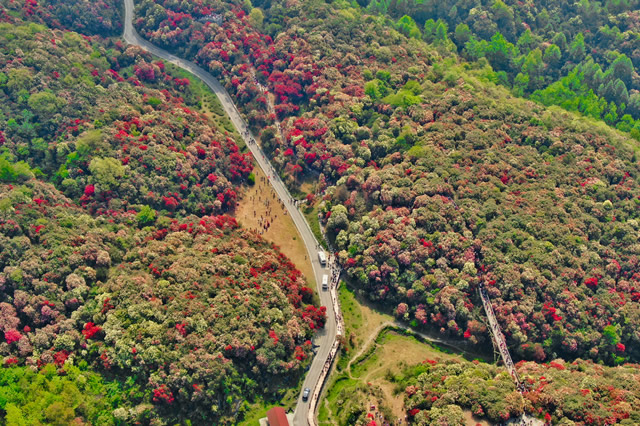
(326,337)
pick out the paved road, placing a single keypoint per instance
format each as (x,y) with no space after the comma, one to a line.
(326,337)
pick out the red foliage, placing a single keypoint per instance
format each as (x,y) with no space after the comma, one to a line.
(299,353)
(90,330)
(170,202)
(89,190)
(162,394)
(181,329)
(145,72)
(549,311)
(592,282)
(11,361)
(60,357)
(274,336)
(12,336)
(315,316)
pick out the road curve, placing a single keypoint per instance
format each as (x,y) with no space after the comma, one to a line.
(325,337)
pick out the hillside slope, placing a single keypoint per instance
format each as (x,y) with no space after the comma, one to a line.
(116,252)
(435,178)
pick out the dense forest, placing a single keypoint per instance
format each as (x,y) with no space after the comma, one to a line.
(579,55)
(434,175)
(436,178)
(126,281)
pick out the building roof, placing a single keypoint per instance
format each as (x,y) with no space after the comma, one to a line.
(277,417)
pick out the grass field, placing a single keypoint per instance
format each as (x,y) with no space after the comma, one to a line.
(311,215)
(360,319)
(377,354)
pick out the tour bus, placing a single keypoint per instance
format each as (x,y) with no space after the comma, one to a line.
(322,257)
(325,282)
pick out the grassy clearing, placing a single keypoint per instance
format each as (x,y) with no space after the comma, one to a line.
(371,379)
(361,320)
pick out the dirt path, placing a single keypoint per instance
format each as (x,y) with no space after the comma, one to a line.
(274,223)
(372,337)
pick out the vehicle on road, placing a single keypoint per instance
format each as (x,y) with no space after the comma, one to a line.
(305,394)
(322,257)
(325,282)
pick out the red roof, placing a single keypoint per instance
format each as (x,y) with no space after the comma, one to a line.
(277,417)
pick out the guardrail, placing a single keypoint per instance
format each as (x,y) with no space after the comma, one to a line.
(313,402)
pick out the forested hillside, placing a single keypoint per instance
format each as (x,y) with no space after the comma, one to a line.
(117,251)
(101,17)
(580,392)
(580,55)
(436,178)
(433,174)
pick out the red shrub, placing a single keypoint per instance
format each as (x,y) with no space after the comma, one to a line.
(12,336)
(90,330)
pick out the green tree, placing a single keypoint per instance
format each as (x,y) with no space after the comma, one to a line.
(106,172)
(622,68)
(503,15)
(527,41)
(339,219)
(610,333)
(441,31)
(408,27)
(462,35)
(45,104)
(577,49)
(19,79)
(14,416)
(501,53)
(534,68)
(552,55)
(14,172)
(146,216)
(520,84)
(429,30)
(560,40)
(633,106)
(256,18)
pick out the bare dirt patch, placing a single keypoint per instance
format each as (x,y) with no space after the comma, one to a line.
(260,210)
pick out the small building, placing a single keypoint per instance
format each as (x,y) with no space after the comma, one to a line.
(277,417)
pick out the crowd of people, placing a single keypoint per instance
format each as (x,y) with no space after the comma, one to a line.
(267,198)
